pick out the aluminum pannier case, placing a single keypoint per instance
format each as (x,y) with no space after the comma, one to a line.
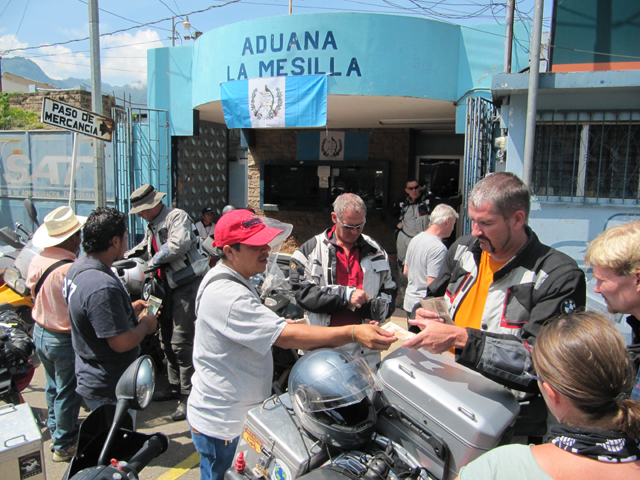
(21,450)
(275,445)
(443,413)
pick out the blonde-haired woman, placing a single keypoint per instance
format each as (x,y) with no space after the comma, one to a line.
(585,376)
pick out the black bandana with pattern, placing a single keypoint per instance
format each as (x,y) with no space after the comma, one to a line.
(609,446)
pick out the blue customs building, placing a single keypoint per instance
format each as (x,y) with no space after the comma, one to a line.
(285,113)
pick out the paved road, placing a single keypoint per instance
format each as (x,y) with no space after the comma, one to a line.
(180,461)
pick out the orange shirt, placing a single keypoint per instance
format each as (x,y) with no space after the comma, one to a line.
(469,313)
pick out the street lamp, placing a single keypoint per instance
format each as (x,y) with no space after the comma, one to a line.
(185,24)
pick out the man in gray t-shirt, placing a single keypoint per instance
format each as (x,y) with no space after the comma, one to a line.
(234,335)
(426,253)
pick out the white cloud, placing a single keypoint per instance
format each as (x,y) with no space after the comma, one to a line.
(8,42)
(61,62)
(124,56)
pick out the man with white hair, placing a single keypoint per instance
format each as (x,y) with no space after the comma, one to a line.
(342,277)
(426,253)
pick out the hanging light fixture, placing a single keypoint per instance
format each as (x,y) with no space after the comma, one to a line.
(186,25)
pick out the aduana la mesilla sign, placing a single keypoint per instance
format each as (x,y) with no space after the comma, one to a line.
(304,54)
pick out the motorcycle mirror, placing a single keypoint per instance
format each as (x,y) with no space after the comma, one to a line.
(9,237)
(31,210)
(137,383)
(134,390)
(125,264)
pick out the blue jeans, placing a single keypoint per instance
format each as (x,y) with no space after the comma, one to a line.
(58,359)
(216,456)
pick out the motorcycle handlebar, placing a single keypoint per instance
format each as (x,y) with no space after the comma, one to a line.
(153,447)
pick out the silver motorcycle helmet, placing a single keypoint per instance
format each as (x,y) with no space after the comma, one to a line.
(133,278)
(331,395)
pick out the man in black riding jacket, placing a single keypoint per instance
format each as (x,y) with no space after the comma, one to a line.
(342,277)
(502,284)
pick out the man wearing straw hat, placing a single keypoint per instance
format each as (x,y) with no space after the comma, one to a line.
(60,236)
(171,244)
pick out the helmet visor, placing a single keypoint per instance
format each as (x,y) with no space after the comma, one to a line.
(339,387)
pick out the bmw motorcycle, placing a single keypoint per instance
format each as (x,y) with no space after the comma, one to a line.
(16,323)
(17,255)
(419,417)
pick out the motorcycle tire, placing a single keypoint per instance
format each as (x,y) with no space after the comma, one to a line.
(152,346)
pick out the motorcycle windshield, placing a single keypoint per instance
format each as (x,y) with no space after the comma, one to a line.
(273,277)
(338,388)
(24,258)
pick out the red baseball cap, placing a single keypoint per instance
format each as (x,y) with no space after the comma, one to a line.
(242,226)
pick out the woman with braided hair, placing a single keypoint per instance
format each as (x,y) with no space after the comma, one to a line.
(585,375)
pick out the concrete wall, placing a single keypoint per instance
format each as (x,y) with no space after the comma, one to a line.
(77,98)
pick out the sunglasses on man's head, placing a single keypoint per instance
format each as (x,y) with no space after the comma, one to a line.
(351,227)
(413,188)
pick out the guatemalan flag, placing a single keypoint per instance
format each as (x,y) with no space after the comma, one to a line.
(299,101)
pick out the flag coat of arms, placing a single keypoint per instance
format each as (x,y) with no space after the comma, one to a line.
(299,101)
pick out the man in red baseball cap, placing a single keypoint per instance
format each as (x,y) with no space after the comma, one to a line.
(234,335)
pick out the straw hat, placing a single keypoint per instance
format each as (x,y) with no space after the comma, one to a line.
(59,225)
(144,198)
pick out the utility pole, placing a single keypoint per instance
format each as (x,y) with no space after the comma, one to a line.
(96,104)
(532,101)
(509,35)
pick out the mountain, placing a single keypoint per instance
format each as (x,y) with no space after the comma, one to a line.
(29,69)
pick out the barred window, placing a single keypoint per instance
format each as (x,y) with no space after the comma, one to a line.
(587,156)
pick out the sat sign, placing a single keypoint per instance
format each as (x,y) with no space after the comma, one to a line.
(75,119)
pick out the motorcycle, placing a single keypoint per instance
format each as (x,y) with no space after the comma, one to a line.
(15,296)
(16,323)
(16,370)
(108,447)
(140,283)
(419,417)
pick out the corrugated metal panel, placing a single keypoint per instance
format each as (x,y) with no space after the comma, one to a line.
(37,164)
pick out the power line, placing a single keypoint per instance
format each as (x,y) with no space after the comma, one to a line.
(83,51)
(120,16)
(20,25)
(168,7)
(5,8)
(101,67)
(118,31)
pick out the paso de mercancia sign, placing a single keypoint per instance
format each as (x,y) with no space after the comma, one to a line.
(65,116)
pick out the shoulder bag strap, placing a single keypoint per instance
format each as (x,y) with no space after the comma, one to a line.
(46,273)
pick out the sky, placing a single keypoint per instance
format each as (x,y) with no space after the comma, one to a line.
(47,31)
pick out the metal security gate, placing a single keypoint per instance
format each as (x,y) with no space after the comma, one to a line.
(202,170)
(141,151)
(478,143)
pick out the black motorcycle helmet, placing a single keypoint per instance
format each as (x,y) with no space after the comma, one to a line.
(330,393)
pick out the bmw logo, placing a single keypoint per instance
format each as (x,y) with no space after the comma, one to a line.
(568,306)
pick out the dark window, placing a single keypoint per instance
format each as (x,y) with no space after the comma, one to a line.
(587,155)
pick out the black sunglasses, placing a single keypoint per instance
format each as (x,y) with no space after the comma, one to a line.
(413,188)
